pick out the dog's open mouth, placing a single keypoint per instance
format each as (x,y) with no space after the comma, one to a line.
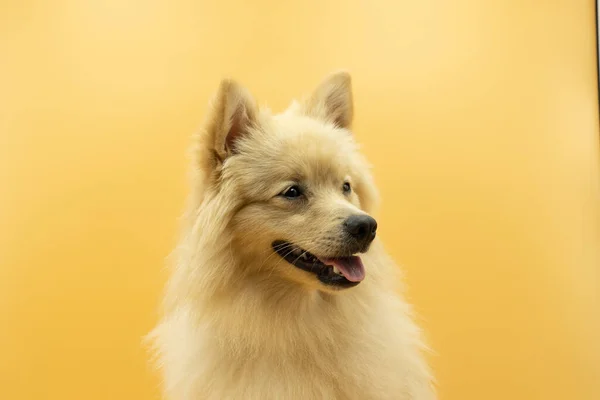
(343,272)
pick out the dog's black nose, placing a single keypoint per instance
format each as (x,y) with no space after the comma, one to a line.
(362,228)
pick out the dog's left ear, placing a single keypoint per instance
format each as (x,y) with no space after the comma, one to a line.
(234,112)
(332,100)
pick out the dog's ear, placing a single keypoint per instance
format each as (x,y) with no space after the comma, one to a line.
(233,113)
(332,100)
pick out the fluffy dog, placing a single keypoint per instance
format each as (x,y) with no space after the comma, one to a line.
(280,288)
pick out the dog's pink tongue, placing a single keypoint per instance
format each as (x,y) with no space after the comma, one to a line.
(351,267)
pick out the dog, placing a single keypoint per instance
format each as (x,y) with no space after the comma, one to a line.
(280,288)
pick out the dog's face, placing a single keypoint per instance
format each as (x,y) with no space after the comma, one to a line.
(301,188)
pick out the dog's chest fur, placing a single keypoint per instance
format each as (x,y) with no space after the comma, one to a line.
(355,346)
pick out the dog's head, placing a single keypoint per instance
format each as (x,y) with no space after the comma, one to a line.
(299,191)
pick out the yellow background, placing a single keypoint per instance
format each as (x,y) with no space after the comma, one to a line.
(480,118)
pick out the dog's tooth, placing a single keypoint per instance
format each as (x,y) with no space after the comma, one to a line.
(336,270)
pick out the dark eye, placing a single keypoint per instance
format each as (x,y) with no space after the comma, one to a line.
(292,192)
(346,187)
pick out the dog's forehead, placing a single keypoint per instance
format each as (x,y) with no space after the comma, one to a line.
(310,148)
(296,149)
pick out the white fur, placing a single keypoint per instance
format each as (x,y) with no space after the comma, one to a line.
(240,324)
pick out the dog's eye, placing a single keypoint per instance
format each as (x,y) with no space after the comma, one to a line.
(292,192)
(346,187)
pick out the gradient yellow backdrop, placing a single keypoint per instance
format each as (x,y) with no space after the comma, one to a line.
(480,118)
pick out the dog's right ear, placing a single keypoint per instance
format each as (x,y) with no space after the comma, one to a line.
(233,113)
(332,100)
